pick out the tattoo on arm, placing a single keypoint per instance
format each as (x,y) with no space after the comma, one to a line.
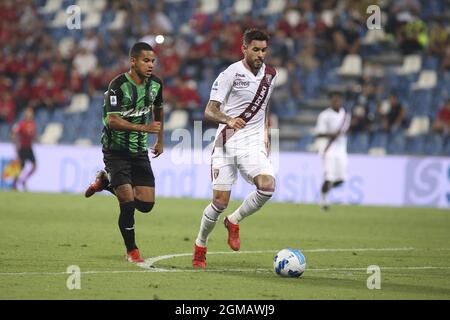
(213,113)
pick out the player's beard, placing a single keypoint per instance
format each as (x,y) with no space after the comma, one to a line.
(253,65)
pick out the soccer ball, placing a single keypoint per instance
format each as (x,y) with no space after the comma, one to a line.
(289,263)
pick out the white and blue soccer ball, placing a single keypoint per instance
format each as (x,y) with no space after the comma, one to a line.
(289,263)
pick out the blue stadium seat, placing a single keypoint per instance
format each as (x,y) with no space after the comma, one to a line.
(415,145)
(446,150)
(420,101)
(358,142)
(379,140)
(396,144)
(5,132)
(305,141)
(434,144)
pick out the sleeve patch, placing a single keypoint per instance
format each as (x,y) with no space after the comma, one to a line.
(113,100)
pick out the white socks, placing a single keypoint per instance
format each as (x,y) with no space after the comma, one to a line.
(251,204)
(210,216)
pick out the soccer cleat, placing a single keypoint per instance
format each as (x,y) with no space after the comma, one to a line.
(199,257)
(100,183)
(233,234)
(134,256)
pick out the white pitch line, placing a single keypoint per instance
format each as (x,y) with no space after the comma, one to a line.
(149,268)
(248,270)
(151,261)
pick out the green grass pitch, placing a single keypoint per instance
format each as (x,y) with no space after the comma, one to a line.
(42,234)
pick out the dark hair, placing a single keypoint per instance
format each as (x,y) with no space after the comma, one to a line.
(254,34)
(335,92)
(138,47)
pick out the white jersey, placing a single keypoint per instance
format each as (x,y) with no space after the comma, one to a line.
(331,122)
(241,93)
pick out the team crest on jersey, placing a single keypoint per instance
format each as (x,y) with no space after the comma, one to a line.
(268,78)
(215,173)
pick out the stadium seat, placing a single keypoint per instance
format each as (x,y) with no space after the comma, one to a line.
(88,6)
(209,6)
(51,6)
(60,19)
(275,7)
(379,143)
(420,101)
(119,20)
(411,64)
(396,143)
(358,142)
(178,119)
(52,133)
(415,145)
(419,125)
(5,132)
(242,6)
(282,77)
(92,20)
(305,142)
(79,103)
(434,144)
(83,142)
(427,80)
(446,151)
(351,66)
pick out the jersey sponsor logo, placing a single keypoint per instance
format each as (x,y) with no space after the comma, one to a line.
(113,100)
(239,75)
(135,113)
(240,84)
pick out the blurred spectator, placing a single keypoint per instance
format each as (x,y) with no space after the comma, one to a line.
(89,41)
(439,39)
(84,61)
(442,121)
(182,95)
(392,114)
(412,34)
(7,107)
(360,121)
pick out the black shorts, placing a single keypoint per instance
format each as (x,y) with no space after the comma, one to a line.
(26,154)
(127,168)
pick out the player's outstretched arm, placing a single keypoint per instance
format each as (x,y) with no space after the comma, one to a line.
(117,123)
(213,113)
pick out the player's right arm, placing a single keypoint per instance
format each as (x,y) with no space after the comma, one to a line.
(115,121)
(219,91)
(213,113)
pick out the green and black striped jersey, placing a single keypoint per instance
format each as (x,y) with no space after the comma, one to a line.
(133,103)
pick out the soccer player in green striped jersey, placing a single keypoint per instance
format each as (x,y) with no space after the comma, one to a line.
(130,99)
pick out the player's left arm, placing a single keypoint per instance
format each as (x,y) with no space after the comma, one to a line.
(158,115)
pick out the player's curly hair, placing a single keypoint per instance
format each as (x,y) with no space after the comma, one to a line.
(255,34)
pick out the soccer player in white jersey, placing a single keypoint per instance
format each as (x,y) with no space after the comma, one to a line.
(238,103)
(332,126)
